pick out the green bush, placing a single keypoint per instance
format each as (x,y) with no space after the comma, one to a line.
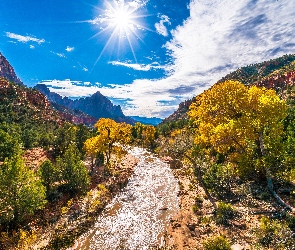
(49,175)
(275,234)
(218,179)
(74,174)
(217,243)
(223,213)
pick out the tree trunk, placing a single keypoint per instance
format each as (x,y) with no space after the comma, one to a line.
(275,195)
(269,180)
(201,182)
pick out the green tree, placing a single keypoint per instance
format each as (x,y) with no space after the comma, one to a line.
(82,134)
(21,191)
(73,173)
(9,144)
(65,136)
(49,175)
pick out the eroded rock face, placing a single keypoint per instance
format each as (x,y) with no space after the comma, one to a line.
(97,105)
(7,71)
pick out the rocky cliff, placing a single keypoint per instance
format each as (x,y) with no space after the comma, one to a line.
(97,105)
(7,71)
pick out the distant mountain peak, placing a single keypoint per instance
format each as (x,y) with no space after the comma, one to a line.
(97,105)
(7,71)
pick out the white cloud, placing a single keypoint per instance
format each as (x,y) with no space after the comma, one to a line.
(85,69)
(61,55)
(69,49)
(70,88)
(136,66)
(217,38)
(24,39)
(160,26)
(32,47)
(137,3)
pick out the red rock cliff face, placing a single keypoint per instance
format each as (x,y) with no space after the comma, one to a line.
(22,99)
(7,71)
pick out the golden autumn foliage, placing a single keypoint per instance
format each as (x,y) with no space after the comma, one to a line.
(109,139)
(231,118)
(148,135)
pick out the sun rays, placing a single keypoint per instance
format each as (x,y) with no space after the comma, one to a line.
(121,21)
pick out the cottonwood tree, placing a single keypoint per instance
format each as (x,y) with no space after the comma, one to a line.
(148,136)
(110,138)
(243,123)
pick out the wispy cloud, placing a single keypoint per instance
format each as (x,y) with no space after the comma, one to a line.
(136,66)
(160,26)
(24,39)
(62,55)
(69,49)
(217,38)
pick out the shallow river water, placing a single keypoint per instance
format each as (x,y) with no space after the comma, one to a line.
(137,217)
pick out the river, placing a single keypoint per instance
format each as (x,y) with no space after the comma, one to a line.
(137,217)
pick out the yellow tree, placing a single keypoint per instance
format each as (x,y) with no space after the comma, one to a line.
(240,122)
(148,135)
(92,147)
(110,138)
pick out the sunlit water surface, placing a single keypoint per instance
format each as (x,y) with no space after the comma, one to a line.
(137,217)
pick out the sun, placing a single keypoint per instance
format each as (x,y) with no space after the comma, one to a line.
(122,20)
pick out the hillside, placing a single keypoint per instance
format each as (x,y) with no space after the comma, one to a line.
(97,105)
(278,74)
(7,71)
(21,104)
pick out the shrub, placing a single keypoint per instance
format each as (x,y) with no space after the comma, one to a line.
(196,208)
(223,213)
(22,193)
(275,234)
(217,243)
(218,178)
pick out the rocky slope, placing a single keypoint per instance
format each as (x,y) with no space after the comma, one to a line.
(7,71)
(18,103)
(97,105)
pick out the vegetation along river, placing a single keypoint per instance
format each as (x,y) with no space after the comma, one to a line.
(137,217)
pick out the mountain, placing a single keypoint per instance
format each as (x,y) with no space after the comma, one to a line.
(147,120)
(24,102)
(20,104)
(7,71)
(278,74)
(97,105)
(180,113)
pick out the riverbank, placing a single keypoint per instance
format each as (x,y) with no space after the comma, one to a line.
(61,223)
(195,222)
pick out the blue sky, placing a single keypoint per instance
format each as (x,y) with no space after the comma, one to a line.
(146,55)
